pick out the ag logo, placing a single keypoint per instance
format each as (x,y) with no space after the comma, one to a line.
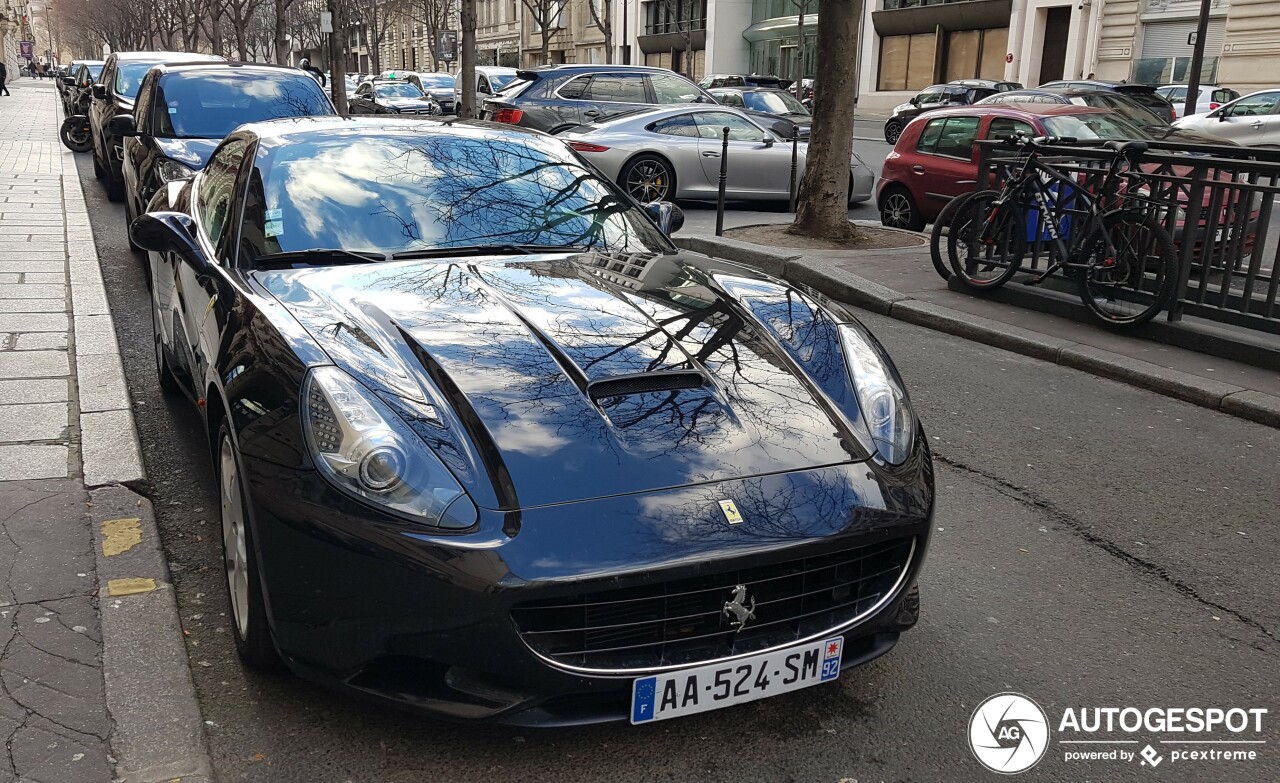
(1008,733)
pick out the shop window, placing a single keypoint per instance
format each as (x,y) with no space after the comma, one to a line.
(977,54)
(906,61)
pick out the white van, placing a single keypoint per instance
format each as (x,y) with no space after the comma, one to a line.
(489,79)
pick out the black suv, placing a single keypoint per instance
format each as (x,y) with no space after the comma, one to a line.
(733,80)
(184,110)
(114,94)
(1143,94)
(961,92)
(392,96)
(558,96)
(774,108)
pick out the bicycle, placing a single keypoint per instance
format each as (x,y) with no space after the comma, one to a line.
(1123,260)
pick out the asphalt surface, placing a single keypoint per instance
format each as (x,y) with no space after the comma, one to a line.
(1095,545)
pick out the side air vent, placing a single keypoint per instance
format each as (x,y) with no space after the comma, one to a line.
(622,385)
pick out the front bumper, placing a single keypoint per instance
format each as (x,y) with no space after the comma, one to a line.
(388,611)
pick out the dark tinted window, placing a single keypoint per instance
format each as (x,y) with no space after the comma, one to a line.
(418,189)
(683,125)
(950,136)
(616,88)
(211,104)
(217,187)
(929,136)
(575,88)
(672,89)
(129,76)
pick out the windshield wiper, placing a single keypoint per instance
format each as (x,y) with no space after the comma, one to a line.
(487,250)
(319,256)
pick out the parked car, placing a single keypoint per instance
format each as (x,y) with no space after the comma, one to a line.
(674,152)
(184,111)
(1253,120)
(78,86)
(548,98)
(1211,96)
(391,96)
(767,104)
(936,159)
(64,81)
(114,94)
(732,80)
(423,397)
(439,87)
(1117,102)
(1141,93)
(489,80)
(962,92)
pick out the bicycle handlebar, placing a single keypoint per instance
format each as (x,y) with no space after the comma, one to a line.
(1023,140)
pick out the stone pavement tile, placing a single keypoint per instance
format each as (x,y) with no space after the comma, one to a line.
(42,390)
(45,753)
(109,448)
(10,277)
(43,253)
(35,421)
(100,378)
(90,300)
(38,341)
(94,334)
(33,462)
(32,291)
(45,552)
(32,305)
(33,265)
(33,364)
(54,671)
(44,277)
(34,322)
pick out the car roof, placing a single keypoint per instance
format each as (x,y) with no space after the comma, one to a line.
(746,88)
(219,65)
(1016,110)
(588,68)
(281,132)
(169,56)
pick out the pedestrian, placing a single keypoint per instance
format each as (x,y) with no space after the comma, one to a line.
(40,70)
(4,74)
(306,65)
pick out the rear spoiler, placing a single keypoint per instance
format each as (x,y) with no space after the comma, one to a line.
(527,75)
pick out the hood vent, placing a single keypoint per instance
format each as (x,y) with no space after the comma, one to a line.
(640,383)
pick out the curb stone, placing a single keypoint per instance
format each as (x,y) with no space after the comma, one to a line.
(158,736)
(824,276)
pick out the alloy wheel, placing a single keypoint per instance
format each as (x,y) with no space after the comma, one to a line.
(897,212)
(648,181)
(234,538)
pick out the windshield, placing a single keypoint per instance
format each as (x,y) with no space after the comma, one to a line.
(400,90)
(129,76)
(436,80)
(1093,126)
(209,105)
(499,80)
(410,189)
(773,103)
(95,71)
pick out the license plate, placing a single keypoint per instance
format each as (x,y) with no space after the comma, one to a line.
(689,691)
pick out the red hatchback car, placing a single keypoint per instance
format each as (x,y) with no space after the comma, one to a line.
(935,159)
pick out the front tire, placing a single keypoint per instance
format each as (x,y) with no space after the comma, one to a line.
(249,625)
(648,178)
(899,210)
(76,135)
(943,221)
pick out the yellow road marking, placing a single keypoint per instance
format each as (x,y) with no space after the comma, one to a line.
(131,586)
(120,535)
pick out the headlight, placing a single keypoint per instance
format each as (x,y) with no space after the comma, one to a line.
(365,450)
(886,411)
(172,171)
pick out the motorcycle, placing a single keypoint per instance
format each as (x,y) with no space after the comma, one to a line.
(76,134)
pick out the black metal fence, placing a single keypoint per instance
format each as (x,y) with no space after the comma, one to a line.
(1217,203)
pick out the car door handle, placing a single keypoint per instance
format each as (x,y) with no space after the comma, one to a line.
(918,169)
(710,154)
(1256,123)
(591,113)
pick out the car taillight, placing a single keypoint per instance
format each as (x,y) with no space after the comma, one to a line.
(582,146)
(509,116)
(1213,105)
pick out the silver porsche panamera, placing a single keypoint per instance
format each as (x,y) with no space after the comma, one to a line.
(675,152)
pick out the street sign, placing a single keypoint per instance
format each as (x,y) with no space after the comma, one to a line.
(326,22)
(447,45)
(28,49)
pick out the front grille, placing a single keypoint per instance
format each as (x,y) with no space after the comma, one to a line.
(684,622)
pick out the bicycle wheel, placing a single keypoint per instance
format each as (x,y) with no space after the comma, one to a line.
(1137,283)
(985,252)
(943,221)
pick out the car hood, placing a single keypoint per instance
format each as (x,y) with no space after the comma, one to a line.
(901,107)
(557,378)
(192,153)
(445,93)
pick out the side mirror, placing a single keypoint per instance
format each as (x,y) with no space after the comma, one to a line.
(169,232)
(668,216)
(482,90)
(122,125)
(69,81)
(1222,115)
(100,91)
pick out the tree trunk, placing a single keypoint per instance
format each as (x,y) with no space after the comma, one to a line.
(822,201)
(467,73)
(277,38)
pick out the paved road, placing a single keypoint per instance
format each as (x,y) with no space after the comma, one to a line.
(1095,545)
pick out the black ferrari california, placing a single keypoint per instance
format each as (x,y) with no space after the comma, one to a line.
(490,446)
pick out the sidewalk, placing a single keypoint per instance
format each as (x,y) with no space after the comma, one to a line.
(902,283)
(90,688)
